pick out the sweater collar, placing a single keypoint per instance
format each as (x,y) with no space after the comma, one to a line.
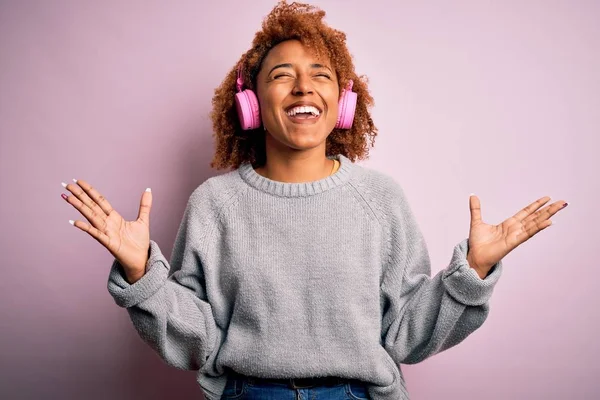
(303,189)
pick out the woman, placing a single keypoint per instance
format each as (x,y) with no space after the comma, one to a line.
(299,274)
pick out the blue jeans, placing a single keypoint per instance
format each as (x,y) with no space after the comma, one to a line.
(241,388)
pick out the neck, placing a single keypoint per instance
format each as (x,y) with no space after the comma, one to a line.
(297,166)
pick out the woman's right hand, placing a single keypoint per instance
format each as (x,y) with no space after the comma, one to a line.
(127,241)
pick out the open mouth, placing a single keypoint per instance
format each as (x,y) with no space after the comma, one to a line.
(303,114)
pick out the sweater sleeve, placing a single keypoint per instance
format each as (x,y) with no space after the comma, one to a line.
(424,315)
(168,305)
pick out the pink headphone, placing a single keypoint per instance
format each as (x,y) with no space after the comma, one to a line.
(249,112)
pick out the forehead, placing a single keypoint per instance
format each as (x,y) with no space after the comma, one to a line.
(293,52)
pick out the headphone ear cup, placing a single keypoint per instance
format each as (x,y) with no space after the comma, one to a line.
(248,109)
(346,109)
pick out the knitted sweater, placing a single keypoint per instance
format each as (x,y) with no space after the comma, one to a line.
(295,280)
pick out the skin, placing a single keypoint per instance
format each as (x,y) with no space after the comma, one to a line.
(296,152)
(489,244)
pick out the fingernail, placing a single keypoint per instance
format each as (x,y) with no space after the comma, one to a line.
(148,190)
(63,184)
(64,196)
(564,205)
(472,194)
(72,222)
(74,180)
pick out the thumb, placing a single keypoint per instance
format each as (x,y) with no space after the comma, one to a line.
(145,206)
(475,207)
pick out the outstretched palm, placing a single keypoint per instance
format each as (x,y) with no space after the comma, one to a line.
(127,241)
(488,244)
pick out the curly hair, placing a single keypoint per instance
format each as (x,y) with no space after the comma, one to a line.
(302,22)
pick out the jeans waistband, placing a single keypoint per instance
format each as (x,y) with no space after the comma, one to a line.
(294,383)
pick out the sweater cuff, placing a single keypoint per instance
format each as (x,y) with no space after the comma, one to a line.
(464,284)
(127,295)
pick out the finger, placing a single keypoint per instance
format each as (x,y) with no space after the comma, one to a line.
(525,212)
(546,212)
(93,232)
(90,197)
(475,207)
(533,228)
(145,206)
(97,220)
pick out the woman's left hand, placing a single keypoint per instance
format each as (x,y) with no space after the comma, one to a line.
(488,244)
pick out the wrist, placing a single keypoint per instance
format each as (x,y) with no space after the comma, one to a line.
(482,272)
(134,277)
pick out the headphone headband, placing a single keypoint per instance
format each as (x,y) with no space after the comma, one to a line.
(239,82)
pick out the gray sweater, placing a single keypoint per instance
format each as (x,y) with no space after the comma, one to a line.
(294,280)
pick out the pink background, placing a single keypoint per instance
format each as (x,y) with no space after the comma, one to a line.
(501,99)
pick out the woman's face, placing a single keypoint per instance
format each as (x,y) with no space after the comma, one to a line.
(298,96)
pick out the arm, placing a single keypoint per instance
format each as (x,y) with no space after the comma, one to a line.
(423,316)
(168,305)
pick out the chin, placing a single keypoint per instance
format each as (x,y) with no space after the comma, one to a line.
(300,136)
(303,140)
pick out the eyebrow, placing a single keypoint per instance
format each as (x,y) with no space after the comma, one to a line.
(288,65)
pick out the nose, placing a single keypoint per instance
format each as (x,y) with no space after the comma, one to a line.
(303,86)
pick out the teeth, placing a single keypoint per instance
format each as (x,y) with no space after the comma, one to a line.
(303,109)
